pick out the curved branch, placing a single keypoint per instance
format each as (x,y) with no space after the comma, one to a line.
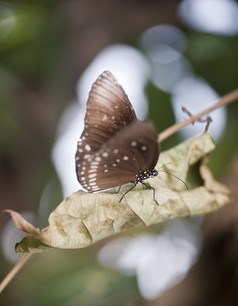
(227,99)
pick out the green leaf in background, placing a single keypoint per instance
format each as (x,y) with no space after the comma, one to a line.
(84,218)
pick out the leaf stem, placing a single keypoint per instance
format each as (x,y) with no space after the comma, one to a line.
(229,98)
(14,271)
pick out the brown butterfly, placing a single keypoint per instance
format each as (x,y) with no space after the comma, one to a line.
(115,147)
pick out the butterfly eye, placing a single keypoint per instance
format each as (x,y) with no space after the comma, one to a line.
(115,147)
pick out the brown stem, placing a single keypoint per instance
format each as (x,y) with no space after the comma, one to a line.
(14,271)
(229,98)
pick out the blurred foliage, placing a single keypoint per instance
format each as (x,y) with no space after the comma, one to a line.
(215,59)
(39,62)
(66,278)
(161,113)
(33,39)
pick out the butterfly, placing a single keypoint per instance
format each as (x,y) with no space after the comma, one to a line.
(115,148)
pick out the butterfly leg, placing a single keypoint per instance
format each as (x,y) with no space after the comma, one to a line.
(127,192)
(146,185)
(150,187)
(118,189)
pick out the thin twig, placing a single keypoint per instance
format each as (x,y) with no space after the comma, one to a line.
(227,99)
(14,271)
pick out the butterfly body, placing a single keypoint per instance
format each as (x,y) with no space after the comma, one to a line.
(115,147)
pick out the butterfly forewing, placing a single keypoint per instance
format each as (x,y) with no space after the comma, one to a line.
(108,110)
(134,148)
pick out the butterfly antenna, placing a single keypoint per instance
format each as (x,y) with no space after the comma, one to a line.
(175,177)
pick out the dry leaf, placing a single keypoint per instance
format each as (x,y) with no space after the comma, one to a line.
(84,218)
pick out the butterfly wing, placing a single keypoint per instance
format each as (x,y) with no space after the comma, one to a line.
(108,110)
(134,148)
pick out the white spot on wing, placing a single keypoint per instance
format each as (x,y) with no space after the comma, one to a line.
(87,147)
(87,156)
(104,118)
(94,166)
(94,188)
(105,154)
(95,163)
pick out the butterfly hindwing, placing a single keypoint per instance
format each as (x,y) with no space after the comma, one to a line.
(133,149)
(108,110)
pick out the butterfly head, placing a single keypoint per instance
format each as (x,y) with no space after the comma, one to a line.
(153,173)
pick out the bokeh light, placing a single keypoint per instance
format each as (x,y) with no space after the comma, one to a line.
(213,16)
